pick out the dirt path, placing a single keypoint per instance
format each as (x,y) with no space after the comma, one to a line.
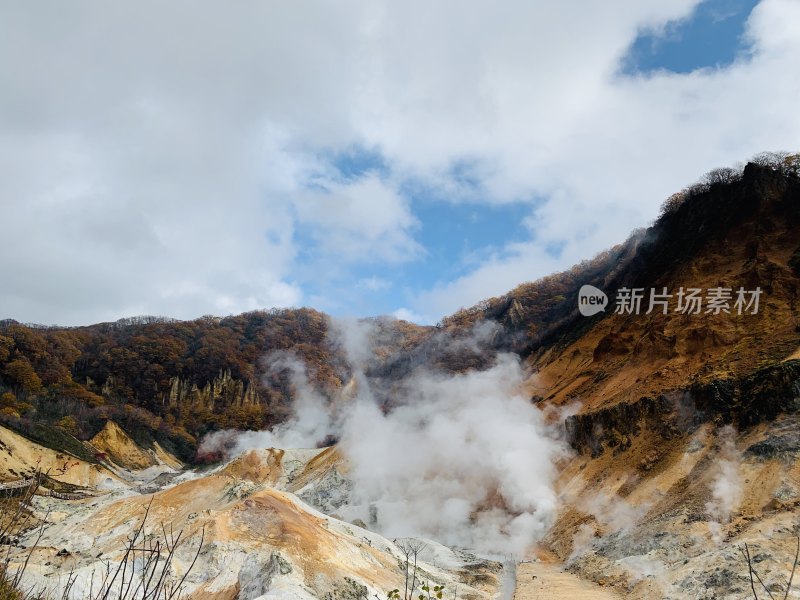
(546,581)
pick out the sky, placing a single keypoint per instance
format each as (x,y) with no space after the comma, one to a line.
(361,157)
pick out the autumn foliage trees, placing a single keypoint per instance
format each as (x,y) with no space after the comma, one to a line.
(21,374)
(125,371)
(173,381)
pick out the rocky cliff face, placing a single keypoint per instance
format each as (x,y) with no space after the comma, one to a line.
(223,390)
(259,540)
(682,423)
(684,426)
(745,402)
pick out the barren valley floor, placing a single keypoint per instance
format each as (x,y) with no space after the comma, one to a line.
(547,581)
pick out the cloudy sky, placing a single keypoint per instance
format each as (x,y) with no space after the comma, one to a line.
(362,157)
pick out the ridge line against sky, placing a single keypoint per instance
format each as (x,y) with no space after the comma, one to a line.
(363,157)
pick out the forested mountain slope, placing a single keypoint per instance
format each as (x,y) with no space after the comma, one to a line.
(173,381)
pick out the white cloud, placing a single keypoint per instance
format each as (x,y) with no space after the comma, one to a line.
(364,220)
(161,158)
(404,314)
(636,141)
(374,284)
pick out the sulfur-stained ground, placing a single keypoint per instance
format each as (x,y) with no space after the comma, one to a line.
(547,581)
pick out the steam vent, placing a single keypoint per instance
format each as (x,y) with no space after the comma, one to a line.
(375,300)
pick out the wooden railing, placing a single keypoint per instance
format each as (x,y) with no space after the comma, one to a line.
(14,485)
(35,481)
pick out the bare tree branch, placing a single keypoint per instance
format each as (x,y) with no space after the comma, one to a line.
(794,568)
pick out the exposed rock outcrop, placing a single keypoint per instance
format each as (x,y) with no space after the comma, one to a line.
(223,390)
(745,402)
(259,540)
(113,444)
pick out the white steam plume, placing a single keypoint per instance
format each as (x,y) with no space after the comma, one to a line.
(312,417)
(581,541)
(726,489)
(613,512)
(465,459)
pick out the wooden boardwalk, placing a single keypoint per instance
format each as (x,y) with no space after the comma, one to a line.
(15,485)
(36,481)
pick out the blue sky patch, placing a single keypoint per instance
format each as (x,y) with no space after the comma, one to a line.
(457,235)
(456,238)
(713,36)
(356,161)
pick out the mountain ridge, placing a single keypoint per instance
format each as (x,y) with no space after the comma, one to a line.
(669,438)
(173,381)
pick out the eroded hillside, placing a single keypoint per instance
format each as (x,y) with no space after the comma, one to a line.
(666,439)
(254,528)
